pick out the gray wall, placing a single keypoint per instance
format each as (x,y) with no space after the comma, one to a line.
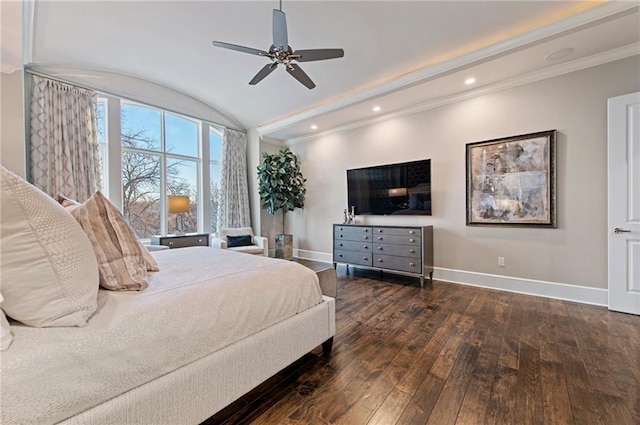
(12,147)
(575,104)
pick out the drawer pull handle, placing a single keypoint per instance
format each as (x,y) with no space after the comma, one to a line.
(341,228)
(411,264)
(200,240)
(411,232)
(379,238)
(365,258)
(341,244)
(170,242)
(340,255)
(411,240)
(366,237)
(366,230)
(340,235)
(379,260)
(365,247)
(379,248)
(412,251)
(379,230)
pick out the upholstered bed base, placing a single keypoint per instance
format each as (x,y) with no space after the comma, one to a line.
(198,390)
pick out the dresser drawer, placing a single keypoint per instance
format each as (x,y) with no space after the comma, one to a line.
(409,251)
(392,262)
(349,233)
(397,239)
(181,241)
(353,246)
(398,231)
(352,257)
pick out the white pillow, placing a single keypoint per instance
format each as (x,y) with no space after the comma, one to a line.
(49,270)
(5,330)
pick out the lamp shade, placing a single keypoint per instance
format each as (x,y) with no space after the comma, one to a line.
(398,191)
(178,204)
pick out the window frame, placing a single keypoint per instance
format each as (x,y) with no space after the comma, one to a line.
(115,150)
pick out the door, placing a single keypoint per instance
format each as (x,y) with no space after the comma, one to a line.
(624,203)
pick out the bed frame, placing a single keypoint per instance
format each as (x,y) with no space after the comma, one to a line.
(197,391)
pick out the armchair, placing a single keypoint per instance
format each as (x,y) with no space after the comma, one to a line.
(259,246)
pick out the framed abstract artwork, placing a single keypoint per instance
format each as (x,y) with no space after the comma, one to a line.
(512,181)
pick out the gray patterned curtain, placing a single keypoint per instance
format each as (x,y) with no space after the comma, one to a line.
(63,146)
(233,205)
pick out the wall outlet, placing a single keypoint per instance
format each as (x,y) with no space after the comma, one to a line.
(501,261)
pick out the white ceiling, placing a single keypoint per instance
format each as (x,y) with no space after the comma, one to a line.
(399,55)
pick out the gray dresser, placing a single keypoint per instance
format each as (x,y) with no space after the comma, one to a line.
(396,249)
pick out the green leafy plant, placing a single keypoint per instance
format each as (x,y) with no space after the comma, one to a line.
(281,183)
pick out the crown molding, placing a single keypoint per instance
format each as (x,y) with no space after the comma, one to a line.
(592,16)
(619,53)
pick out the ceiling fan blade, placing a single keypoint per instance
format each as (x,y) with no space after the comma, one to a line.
(297,73)
(318,54)
(266,70)
(240,48)
(280,37)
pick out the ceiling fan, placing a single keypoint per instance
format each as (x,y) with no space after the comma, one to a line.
(280,53)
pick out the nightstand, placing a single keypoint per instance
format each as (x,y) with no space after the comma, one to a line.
(181,241)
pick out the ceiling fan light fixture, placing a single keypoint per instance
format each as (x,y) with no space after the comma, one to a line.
(377,109)
(281,53)
(469,81)
(314,127)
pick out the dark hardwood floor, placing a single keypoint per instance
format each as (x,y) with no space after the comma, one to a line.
(453,354)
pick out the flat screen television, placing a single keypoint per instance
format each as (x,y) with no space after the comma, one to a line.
(392,189)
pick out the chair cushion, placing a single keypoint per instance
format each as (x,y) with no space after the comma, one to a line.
(49,270)
(243,240)
(234,231)
(251,249)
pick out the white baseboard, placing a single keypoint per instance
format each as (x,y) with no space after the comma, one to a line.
(313,255)
(561,291)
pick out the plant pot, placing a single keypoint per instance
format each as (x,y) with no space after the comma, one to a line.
(284,246)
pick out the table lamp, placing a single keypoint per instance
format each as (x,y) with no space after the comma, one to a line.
(178,205)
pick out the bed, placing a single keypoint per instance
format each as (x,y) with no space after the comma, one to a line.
(212,325)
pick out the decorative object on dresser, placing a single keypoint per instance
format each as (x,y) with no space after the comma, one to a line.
(402,250)
(512,181)
(241,239)
(281,187)
(181,241)
(178,205)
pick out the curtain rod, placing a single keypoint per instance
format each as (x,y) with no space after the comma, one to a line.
(86,87)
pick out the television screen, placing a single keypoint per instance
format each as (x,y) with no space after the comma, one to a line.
(393,189)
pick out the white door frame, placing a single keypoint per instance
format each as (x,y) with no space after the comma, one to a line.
(624,203)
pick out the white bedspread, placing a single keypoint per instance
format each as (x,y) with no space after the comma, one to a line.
(203,299)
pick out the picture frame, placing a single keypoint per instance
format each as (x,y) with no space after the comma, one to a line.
(512,181)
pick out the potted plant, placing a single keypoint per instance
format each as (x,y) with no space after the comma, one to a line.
(281,187)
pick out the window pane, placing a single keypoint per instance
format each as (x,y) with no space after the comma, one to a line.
(182,179)
(141,192)
(141,127)
(215,145)
(181,135)
(214,195)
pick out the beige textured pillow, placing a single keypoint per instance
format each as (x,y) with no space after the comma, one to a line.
(119,254)
(71,204)
(5,330)
(49,271)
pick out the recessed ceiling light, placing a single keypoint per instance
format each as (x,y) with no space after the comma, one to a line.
(559,54)
(314,127)
(469,81)
(377,109)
